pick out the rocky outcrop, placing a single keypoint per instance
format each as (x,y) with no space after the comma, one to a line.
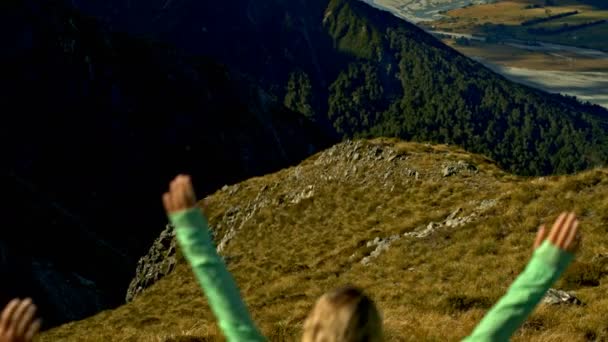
(159,262)
(380,245)
(556,297)
(352,162)
(458,167)
(454,220)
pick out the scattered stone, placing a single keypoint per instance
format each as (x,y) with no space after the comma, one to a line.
(411,173)
(454,214)
(456,168)
(381,246)
(297,172)
(487,204)
(557,297)
(234,189)
(304,194)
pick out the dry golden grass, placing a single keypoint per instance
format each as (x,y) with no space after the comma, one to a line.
(519,58)
(430,289)
(512,13)
(508,12)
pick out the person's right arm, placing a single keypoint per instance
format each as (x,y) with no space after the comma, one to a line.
(194,238)
(546,266)
(548,262)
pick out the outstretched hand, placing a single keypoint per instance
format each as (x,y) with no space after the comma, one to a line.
(17,322)
(180,196)
(564,233)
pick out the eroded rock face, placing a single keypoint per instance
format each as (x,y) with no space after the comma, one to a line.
(159,262)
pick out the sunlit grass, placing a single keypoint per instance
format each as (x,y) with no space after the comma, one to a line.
(431,289)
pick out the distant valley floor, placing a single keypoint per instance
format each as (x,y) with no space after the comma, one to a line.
(423,10)
(587,86)
(557,71)
(550,64)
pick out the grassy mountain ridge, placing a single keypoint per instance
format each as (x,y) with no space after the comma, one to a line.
(435,234)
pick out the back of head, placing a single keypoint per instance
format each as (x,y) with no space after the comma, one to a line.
(343,315)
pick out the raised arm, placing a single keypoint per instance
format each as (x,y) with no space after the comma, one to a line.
(548,262)
(193,235)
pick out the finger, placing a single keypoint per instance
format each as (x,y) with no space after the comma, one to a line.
(565,231)
(32,330)
(19,313)
(557,227)
(174,184)
(26,319)
(189,191)
(573,237)
(178,194)
(540,236)
(7,313)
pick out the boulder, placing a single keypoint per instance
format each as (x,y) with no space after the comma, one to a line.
(556,297)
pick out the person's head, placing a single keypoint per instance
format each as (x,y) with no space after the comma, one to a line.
(343,315)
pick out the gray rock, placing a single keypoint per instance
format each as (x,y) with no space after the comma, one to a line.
(487,204)
(458,167)
(307,193)
(159,262)
(234,189)
(556,297)
(454,214)
(381,246)
(448,171)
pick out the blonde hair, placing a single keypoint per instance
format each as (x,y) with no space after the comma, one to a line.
(343,315)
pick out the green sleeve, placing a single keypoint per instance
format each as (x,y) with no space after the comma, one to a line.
(545,267)
(217,283)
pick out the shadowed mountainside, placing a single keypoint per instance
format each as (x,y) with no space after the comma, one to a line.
(96,122)
(366,73)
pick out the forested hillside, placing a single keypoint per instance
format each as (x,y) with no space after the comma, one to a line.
(367,73)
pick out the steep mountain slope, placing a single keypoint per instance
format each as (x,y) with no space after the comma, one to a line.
(93,125)
(367,73)
(433,233)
